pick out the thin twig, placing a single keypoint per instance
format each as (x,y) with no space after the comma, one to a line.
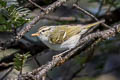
(110,6)
(89,14)
(36,5)
(69,19)
(100,7)
(7,73)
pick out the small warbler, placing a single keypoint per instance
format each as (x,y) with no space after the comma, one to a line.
(63,37)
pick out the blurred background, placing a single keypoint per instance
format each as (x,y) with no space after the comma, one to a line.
(104,64)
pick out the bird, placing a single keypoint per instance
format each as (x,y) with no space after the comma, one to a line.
(63,37)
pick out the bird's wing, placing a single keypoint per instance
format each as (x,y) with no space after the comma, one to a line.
(61,34)
(57,37)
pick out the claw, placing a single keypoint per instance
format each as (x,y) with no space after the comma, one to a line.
(61,59)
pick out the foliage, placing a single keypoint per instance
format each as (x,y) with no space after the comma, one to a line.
(20,60)
(12,16)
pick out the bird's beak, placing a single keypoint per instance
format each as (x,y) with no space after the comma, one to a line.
(35,34)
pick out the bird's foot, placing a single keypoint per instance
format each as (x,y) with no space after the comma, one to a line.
(59,56)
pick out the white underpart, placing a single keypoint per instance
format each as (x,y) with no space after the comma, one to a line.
(71,42)
(68,44)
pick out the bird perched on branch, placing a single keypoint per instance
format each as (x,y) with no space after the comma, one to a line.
(63,37)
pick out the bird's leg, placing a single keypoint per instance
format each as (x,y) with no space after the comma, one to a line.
(62,60)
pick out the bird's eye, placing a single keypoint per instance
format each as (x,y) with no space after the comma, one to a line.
(43,30)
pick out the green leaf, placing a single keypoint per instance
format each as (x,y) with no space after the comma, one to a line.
(12,16)
(2,3)
(20,60)
(2,19)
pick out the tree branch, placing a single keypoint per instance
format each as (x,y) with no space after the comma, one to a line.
(89,14)
(82,46)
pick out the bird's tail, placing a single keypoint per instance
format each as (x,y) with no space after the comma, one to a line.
(93,24)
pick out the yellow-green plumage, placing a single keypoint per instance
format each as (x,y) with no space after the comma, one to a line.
(64,32)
